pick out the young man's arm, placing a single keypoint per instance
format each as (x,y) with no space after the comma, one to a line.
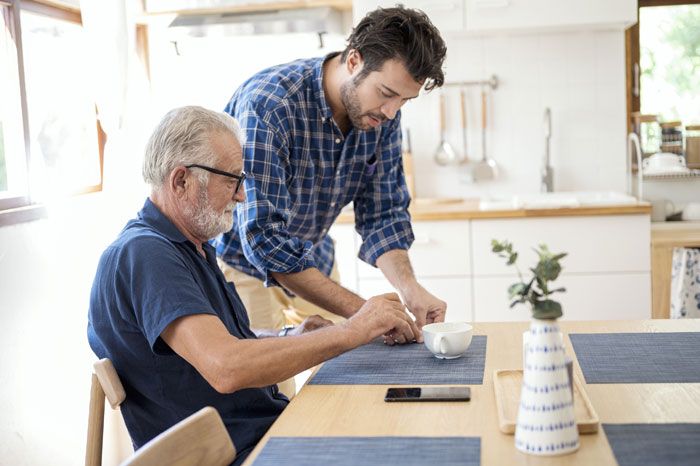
(383,221)
(312,285)
(396,267)
(230,364)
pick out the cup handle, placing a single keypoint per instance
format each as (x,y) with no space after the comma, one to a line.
(672,205)
(440,344)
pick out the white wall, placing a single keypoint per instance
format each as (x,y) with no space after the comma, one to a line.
(46,270)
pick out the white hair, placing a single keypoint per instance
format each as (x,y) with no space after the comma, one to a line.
(183,137)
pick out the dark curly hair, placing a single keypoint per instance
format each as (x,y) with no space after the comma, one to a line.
(403,34)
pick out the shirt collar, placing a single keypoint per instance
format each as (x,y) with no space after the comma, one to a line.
(151,215)
(319,94)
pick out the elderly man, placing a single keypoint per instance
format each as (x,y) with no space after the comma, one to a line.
(322,133)
(175,329)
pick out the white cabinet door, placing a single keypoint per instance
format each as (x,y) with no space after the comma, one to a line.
(595,244)
(446,15)
(456,292)
(518,15)
(587,297)
(441,249)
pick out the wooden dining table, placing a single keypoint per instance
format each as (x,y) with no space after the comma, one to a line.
(360,410)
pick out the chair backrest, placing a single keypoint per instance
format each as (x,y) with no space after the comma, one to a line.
(200,439)
(105,383)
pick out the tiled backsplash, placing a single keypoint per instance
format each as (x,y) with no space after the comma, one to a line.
(580,76)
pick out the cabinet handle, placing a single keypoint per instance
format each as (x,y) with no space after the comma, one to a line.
(491,4)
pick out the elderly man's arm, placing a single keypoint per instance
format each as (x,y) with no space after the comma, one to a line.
(230,364)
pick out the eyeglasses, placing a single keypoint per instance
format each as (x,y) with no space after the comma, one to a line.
(240,178)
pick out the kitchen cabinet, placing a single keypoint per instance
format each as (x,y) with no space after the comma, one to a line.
(446,15)
(484,16)
(607,272)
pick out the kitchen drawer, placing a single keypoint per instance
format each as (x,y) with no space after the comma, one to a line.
(587,297)
(441,249)
(595,244)
(456,292)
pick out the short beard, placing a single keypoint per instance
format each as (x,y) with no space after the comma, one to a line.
(351,102)
(207,222)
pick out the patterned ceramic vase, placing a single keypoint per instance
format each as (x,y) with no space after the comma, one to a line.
(546,424)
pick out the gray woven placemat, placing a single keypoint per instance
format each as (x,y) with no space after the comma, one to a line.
(654,444)
(367,451)
(638,357)
(379,364)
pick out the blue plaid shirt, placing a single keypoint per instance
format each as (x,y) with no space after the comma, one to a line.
(304,171)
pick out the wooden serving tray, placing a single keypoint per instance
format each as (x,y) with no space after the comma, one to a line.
(507,383)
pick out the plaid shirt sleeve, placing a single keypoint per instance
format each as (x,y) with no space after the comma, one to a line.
(381,209)
(262,221)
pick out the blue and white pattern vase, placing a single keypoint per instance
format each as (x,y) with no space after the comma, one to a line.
(546,422)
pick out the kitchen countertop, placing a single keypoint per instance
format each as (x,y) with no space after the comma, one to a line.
(468,209)
(675,234)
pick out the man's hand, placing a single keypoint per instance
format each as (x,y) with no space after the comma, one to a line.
(310,324)
(384,315)
(424,306)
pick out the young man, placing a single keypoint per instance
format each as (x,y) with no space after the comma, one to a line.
(162,311)
(321,133)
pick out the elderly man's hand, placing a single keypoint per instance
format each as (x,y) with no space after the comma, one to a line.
(384,315)
(310,324)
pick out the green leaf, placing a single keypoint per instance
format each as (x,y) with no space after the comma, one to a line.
(513,257)
(546,309)
(517,289)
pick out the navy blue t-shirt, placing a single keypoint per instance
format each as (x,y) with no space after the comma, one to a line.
(150,276)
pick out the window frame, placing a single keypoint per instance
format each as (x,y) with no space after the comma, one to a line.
(20,209)
(632,58)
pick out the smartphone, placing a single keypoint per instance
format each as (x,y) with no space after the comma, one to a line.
(428,394)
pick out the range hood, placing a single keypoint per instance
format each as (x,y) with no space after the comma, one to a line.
(316,20)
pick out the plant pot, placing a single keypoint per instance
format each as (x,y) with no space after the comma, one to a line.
(546,423)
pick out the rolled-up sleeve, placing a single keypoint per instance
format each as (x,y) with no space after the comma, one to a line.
(381,210)
(262,220)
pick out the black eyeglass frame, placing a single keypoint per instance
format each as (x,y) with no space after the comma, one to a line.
(240,178)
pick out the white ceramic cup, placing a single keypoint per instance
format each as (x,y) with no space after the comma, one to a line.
(447,340)
(660,209)
(663,160)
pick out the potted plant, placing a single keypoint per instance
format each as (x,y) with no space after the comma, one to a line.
(546,423)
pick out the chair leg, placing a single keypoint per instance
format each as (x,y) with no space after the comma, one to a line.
(96,418)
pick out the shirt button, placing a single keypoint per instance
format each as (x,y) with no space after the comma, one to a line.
(337,140)
(332,204)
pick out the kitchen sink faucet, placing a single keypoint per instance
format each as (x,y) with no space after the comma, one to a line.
(547,174)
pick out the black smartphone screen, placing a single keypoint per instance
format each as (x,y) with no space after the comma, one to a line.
(428,394)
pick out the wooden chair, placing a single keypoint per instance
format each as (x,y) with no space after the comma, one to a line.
(105,383)
(200,439)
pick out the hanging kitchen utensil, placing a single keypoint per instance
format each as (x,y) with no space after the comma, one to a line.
(486,168)
(463,112)
(444,154)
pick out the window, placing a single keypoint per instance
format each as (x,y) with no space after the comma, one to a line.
(663,65)
(50,141)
